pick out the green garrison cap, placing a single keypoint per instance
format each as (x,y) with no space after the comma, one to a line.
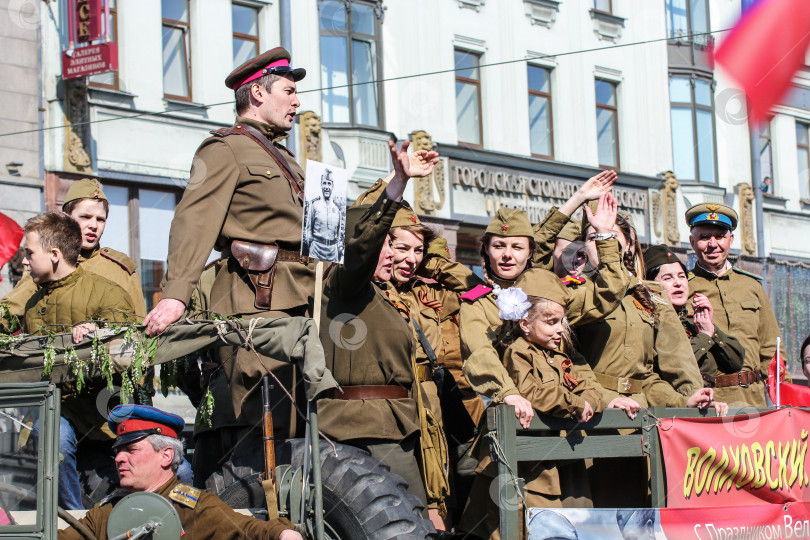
(510,222)
(543,284)
(276,61)
(658,255)
(712,214)
(86,188)
(439,247)
(405,216)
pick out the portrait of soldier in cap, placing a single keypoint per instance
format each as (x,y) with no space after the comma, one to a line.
(324,228)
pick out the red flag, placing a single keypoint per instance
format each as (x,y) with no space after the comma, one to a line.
(765,49)
(789,394)
(10,235)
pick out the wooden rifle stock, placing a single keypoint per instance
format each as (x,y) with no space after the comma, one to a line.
(269,439)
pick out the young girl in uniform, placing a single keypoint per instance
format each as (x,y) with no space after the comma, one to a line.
(535,331)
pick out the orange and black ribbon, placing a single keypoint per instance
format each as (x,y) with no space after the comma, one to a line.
(569,379)
(435,304)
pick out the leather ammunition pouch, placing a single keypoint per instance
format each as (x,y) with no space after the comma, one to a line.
(259,262)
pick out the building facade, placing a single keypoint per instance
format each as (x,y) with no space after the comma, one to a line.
(21,165)
(524,99)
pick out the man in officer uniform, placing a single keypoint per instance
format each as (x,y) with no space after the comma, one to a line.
(324,223)
(741,306)
(245,199)
(147,455)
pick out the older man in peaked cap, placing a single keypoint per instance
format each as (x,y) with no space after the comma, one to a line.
(741,306)
(147,455)
(245,199)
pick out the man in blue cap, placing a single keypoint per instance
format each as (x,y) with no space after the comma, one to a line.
(148,453)
(741,306)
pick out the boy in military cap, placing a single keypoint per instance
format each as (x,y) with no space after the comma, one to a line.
(741,306)
(148,453)
(86,203)
(68,299)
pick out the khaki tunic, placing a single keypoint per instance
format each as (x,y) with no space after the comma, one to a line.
(208,517)
(718,354)
(545,234)
(365,339)
(741,309)
(105,262)
(238,192)
(628,343)
(445,280)
(480,322)
(538,374)
(59,305)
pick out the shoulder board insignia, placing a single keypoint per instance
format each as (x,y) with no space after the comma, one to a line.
(114,496)
(571,281)
(475,293)
(285,149)
(653,286)
(185,495)
(122,259)
(749,274)
(224,132)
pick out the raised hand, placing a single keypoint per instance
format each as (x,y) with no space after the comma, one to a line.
(422,162)
(593,188)
(597,185)
(604,219)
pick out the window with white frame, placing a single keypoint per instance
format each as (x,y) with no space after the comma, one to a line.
(176,50)
(692,115)
(803,155)
(468,98)
(350,49)
(607,123)
(245,22)
(540,121)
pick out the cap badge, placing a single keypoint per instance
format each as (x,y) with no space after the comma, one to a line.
(712,207)
(414,219)
(712,217)
(669,254)
(505,227)
(95,194)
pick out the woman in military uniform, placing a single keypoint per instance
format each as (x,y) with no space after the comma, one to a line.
(718,354)
(369,346)
(508,248)
(86,203)
(638,351)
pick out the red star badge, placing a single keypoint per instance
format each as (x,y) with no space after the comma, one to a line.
(414,219)
(505,227)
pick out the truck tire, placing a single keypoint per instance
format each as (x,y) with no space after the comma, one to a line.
(362,498)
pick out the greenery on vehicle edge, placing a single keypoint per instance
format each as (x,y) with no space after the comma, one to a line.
(143,347)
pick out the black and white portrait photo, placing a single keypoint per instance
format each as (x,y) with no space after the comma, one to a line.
(324,231)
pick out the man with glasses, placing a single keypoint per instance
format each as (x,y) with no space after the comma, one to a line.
(244,198)
(741,306)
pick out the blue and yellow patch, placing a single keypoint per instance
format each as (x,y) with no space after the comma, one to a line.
(746,273)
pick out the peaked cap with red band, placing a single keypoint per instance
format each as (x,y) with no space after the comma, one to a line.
(275,61)
(131,423)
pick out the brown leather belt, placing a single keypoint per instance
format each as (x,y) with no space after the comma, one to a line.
(622,385)
(285,255)
(741,378)
(371,391)
(424,372)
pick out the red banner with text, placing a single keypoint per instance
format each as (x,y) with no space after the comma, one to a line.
(736,460)
(761,521)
